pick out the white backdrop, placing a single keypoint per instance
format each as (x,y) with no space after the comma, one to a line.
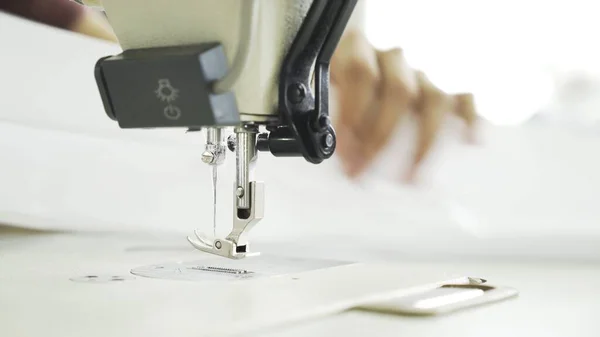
(513,54)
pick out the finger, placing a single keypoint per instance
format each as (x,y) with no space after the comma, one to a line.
(431,105)
(464,108)
(354,68)
(347,150)
(95,25)
(57,13)
(398,89)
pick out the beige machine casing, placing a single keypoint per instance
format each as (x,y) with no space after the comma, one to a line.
(158,23)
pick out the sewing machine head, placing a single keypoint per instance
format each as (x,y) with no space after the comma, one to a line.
(178,69)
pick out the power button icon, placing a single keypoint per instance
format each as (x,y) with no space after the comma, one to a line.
(172,112)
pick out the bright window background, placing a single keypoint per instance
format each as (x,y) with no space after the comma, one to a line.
(517,57)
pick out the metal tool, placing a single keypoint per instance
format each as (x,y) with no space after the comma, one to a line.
(248,201)
(236,245)
(192,86)
(214,152)
(441,300)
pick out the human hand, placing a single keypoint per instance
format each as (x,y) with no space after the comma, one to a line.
(94,24)
(62,14)
(375,89)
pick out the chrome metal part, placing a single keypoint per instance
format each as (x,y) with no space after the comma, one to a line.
(222,270)
(231,142)
(214,151)
(102,278)
(444,299)
(245,152)
(235,245)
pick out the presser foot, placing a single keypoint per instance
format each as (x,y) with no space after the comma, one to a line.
(235,245)
(221,247)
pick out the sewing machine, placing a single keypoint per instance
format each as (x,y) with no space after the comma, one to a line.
(182,73)
(81,283)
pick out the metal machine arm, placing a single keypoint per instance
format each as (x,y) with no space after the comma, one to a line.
(306,128)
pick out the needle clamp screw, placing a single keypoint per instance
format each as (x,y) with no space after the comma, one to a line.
(296,93)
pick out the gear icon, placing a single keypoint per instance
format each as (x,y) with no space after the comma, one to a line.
(166,92)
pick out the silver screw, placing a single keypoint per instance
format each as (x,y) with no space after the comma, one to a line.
(239,192)
(218,244)
(208,157)
(329,140)
(231,142)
